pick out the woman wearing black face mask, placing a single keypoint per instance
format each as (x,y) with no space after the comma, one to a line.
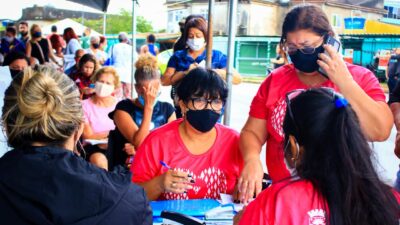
(193,157)
(40,48)
(303,33)
(95,50)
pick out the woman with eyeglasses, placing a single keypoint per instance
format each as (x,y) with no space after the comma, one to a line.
(193,157)
(135,118)
(304,30)
(333,181)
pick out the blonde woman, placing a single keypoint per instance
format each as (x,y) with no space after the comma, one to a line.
(96,109)
(42,181)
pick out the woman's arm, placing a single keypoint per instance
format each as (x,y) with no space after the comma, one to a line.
(89,134)
(171,76)
(28,49)
(236,78)
(375,117)
(51,54)
(172,117)
(171,181)
(252,138)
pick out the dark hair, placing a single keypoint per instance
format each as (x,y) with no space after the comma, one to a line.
(151,38)
(146,69)
(102,39)
(15,55)
(199,23)
(24,23)
(181,43)
(88,58)
(69,34)
(306,17)
(54,28)
(337,160)
(202,82)
(11,30)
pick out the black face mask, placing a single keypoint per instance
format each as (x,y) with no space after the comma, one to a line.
(306,63)
(23,34)
(202,120)
(96,46)
(14,73)
(37,34)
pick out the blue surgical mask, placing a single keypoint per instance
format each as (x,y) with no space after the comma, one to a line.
(141,100)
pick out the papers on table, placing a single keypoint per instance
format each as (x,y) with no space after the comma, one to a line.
(96,142)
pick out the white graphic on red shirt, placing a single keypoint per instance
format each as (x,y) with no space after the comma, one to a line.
(317,217)
(209,184)
(277,117)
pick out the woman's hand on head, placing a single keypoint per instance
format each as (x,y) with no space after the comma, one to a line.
(150,95)
(176,181)
(334,66)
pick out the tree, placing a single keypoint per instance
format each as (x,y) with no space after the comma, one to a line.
(120,22)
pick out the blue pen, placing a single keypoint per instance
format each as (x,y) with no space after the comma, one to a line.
(165,165)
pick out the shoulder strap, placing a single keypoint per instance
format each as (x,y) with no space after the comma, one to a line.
(41,51)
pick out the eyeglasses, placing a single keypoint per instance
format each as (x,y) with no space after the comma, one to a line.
(292,49)
(201,103)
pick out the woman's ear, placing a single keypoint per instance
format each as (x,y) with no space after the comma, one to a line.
(183,107)
(294,148)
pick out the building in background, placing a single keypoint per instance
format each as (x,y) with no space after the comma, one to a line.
(393,12)
(265,17)
(45,15)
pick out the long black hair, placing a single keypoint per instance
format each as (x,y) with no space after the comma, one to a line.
(337,160)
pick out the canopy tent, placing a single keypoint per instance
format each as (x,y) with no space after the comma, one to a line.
(101,5)
(65,23)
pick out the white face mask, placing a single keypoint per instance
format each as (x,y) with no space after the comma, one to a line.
(196,43)
(103,90)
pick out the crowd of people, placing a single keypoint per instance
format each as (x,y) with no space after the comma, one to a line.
(85,152)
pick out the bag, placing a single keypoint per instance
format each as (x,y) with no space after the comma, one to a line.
(109,61)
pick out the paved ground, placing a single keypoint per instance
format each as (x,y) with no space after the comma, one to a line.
(386,162)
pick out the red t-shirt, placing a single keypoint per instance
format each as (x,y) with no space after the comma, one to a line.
(214,171)
(289,202)
(270,104)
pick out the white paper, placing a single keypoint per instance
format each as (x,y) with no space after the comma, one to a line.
(228,199)
(96,142)
(202,64)
(5,81)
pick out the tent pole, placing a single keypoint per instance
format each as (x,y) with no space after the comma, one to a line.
(211,4)
(104,23)
(229,67)
(133,92)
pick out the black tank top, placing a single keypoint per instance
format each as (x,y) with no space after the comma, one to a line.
(44,44)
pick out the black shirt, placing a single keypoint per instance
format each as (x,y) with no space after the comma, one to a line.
(162,111)
(51,185)
(44,44)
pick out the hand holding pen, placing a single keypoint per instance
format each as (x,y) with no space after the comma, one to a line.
(176,181)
